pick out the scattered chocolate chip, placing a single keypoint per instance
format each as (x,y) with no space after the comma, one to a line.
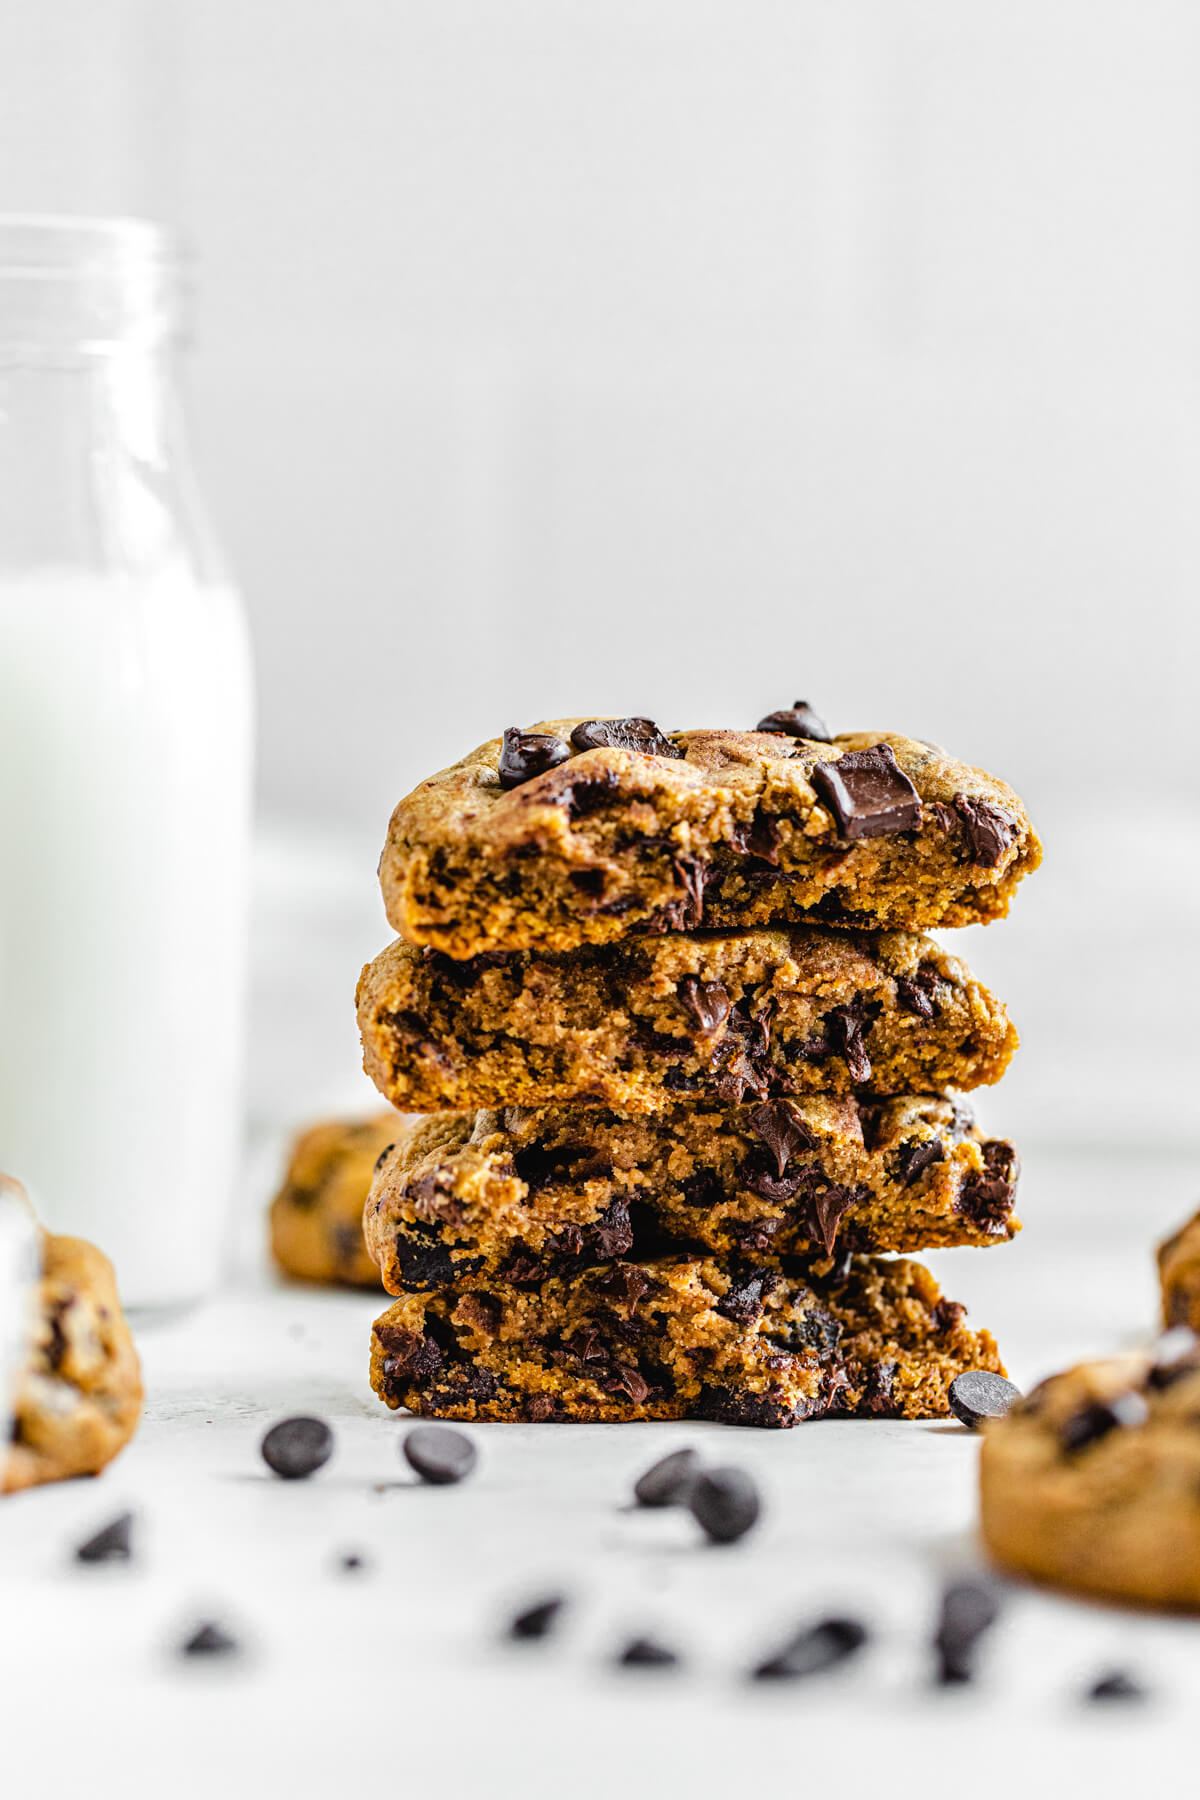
(988,1196)
(988,829)
(297,1448)
(868,794)
(725,1504)
(525,754)
(1174,1355)
(798,721)
(977,1395)
(706,1001)
(782,1130)
(970,1607)
(114,1543)
(822,1646)
(439,1455)
(668,1482)
(646,1653)
(537,1621)
(914,1157)
(1091,1423)
(351,1563)
(624,734)
(1116,1684)
(845,1027)
(209,1639)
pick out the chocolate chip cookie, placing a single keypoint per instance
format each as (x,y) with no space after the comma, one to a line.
(316,1217)
(1179,1275)
(765,1344)
(79,1397)
(1092,1482)
(520,1195)
(687,1016)
(583,831)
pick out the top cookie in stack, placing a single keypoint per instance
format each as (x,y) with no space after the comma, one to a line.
(583,831)
(702,929)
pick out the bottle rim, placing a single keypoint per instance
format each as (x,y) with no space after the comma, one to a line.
(88,283)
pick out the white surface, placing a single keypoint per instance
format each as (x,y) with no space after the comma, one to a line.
(394,1681)
(125,741)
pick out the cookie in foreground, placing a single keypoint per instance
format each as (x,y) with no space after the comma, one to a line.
(316,1218)
(585,831)
(523,1194)
(78,1398)
(1092,1482)
(689,1016)
(683,1338)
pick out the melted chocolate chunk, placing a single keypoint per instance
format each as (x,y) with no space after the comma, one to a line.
(1092,1423)
(706,1001)
(988,829)
(987,1198)
(868,794)
(739,1059)
(587,794)
(845,1029)
(408,1353)
(913,1158)
(828,1209)
(425,1267)
(878,1388)
(782,1130)
(626,1380)
(917,993)
(813,1329)
(733,1406)
(759,838)
(627,1282)
(688,913)
(778,1189)
(747,1291)
(525,754)
(567,1165)
(624,734)
(797,721)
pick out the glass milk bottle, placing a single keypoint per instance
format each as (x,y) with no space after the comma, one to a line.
(126,721)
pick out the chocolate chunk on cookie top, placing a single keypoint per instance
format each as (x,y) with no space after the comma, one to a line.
(738,1017)
(676,1338)
(584,831)
(520,1194)
(1092,1482)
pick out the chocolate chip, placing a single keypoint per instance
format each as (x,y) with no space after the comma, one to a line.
(646,1653)
(688,913)
(868,794)
(988,1196)
(878,1389)
(1174,1355)
(759,838)
(822,1646)
(439,1455)
(625,1380)
(970,1607)
(916,993)
(725,1504)
(1091,1423)
(738,1058)
(114,1543)
(706,1001)
(844,1028)
(351,1563)
(297,1448)
(668,1482)
(782,1130)
(743,1300)
(988,829)
(382,1158)
(798,721)
(525,754)
(209,1639)
(537,1621)
(978,1394)
(1116,1684)
(624,734)
(914,1157)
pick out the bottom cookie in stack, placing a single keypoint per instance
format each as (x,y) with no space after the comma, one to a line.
(769,1343)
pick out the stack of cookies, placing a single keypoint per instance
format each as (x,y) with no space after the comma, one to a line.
(694,1074)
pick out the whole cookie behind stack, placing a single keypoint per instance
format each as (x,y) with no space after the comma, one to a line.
(702,1098)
